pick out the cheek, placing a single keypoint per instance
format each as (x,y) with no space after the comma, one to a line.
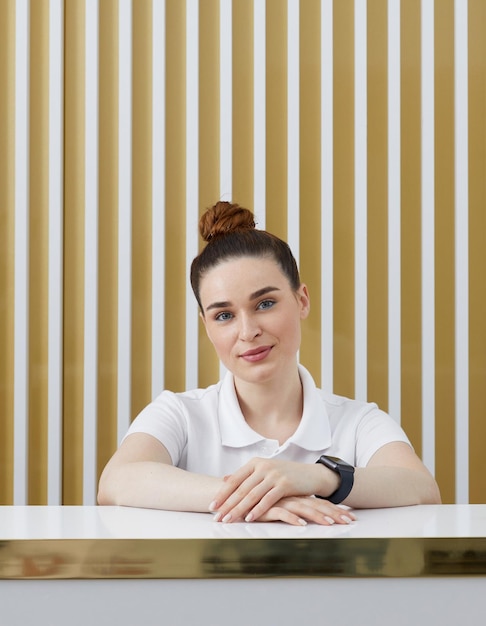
(219,339)
(293,332)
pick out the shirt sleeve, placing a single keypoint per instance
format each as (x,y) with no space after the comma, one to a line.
(164,419)
(359,429)
(375,428)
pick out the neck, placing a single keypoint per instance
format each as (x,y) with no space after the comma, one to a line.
(273,409)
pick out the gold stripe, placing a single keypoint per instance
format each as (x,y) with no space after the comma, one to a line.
(209,157)
(74,198)
(477,247)
(243,103)
(310,179)
(395,557)
(108,232)
(38,250)
(142,206)
(411,222)
(276,118)
(7,212)
(377,203)
(344,197)
(444,249)
(175,196)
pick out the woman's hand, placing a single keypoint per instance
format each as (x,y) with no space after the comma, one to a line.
(267,489)
(298,510)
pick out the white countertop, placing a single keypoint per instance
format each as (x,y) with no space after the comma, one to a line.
(121,542)
(93,522)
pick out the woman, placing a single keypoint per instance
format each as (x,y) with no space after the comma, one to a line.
(263,444)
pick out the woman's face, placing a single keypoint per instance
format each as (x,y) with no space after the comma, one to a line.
(252,317)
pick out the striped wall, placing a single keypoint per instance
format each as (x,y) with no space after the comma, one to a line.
(354,129)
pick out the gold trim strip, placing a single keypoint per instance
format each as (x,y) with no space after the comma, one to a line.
(242,558)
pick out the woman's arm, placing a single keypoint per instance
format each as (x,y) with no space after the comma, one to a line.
(141,474)
(394,476)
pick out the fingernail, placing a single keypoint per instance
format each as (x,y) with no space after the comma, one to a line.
(302,522)
(212,506)
(329,520)
(346,519)
(249,517)
(226,518)
(217,517)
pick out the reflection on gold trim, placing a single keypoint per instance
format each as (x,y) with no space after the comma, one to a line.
(242,558)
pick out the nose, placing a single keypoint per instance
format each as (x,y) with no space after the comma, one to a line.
(249,328)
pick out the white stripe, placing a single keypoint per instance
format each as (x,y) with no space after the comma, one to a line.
(90,377)
(21,259)
(360,201)
(327,195)
(192,184)
(394,210)
(158,196)
(461,246)
(124,215)
(293,127)
(226,100)
(259,112)
(226,109)
(55,287)
(428,231)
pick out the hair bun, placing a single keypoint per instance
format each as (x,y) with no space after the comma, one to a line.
(223,218)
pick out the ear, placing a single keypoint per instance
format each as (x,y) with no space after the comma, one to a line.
(304,301)
(203,319)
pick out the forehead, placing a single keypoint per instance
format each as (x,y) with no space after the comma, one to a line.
(242,275)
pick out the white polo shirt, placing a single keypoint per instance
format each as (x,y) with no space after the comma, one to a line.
(205,432)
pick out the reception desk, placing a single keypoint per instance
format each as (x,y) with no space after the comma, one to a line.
(116,565)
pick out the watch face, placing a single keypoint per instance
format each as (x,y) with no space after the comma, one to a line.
(333,462)
(335,459)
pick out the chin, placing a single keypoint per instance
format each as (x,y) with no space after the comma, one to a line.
(256,374)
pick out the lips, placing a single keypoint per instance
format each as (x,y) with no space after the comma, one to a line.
(256,354)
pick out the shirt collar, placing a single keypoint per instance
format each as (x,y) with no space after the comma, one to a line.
(235,432)
(313,433)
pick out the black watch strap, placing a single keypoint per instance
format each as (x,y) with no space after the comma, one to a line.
(346,473)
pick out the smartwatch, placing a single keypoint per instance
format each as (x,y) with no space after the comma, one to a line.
(346,473)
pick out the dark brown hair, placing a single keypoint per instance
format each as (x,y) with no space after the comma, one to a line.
(230,233)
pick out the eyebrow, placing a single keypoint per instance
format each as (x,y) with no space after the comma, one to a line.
(253,296)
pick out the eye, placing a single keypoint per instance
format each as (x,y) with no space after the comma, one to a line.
(224,316)
(266,304)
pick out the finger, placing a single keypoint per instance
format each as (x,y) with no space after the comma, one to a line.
(241,503)
(312,510)
(265,503)
(326,515)
(231,483)
(279,514)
